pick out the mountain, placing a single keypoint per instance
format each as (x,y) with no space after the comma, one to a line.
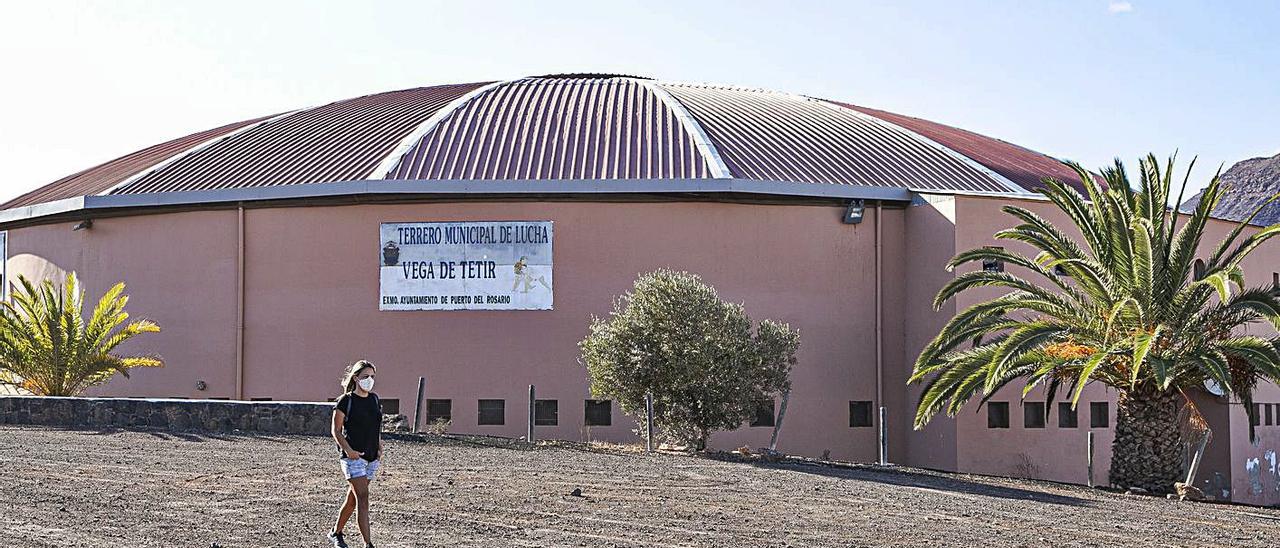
(1249,183)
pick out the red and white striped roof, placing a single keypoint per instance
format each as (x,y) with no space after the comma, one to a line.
(571,128)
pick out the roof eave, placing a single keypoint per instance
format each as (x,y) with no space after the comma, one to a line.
(444,188)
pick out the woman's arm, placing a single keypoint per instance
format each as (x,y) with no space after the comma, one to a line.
(338,419)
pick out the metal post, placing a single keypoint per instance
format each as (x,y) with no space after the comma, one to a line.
(1195,460)
(417,408)
(1091,458)
(648,422)
(531,413)
(777,424)
(884,437)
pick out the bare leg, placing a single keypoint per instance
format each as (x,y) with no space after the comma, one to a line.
(543,281)
(360,486)
(348,507)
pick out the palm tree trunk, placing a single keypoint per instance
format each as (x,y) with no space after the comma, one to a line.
(1147,451)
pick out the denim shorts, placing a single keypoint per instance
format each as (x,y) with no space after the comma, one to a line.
(358,468)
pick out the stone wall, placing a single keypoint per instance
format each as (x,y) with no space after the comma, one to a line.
(306,418)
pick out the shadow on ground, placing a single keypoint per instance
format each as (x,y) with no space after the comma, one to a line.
(923,480)
(195,437)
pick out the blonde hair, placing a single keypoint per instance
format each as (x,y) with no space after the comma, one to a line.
(349,377)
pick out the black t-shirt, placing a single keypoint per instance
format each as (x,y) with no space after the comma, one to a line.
(364,423)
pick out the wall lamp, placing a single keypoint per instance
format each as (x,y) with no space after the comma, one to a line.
(83,225)
(853,215)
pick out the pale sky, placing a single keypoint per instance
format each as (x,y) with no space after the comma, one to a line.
(1083,79)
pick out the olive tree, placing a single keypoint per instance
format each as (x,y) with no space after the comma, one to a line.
(672,336)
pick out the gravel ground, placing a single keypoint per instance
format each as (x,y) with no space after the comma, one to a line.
(137,488)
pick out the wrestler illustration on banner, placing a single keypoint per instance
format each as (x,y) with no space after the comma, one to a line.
(523,276)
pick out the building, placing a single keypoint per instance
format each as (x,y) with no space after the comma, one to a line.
(506,214)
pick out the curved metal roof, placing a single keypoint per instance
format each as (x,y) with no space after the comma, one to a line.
(575,128)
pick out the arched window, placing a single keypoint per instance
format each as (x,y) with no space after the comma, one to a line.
(1198,270)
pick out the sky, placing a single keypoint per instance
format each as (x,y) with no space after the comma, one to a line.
(1087,80)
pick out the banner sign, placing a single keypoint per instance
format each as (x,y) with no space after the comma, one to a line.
(481,265)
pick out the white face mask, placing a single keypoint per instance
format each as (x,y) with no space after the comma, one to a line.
(366,384)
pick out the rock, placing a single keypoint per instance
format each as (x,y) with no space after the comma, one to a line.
(1188,492)
(576,492)
(1249,184)
(1137,491)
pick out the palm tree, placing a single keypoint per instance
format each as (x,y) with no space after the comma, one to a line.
(1135,310)
(48,348)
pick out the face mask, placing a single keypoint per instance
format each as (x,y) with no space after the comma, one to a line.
(366,384)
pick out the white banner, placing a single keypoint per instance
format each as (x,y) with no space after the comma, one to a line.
(481,265)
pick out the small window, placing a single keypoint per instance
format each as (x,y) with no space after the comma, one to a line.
(1198,269)
(439,410)
(1275,280)
(1267,406)
(1099,414)
(492,413)
(763,414)
(993,265)
(998,414)
(390,406)
(546,413)
(1256,419)
(598,413)
(860,414)
(1067,417)
(259,399)
(1033,414)
(1277,414)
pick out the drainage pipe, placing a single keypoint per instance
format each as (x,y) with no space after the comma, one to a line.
(240,303)
(883,430)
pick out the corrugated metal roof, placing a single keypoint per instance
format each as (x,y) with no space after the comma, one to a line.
(335,142)
(557,128)
(773,136)
(1022,166)
(571,127)
(102,177)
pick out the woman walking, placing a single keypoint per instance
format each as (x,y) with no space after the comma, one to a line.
(357,427)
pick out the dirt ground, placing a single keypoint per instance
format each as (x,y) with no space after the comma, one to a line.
(70,488)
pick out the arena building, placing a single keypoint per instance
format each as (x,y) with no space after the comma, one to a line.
(468,233)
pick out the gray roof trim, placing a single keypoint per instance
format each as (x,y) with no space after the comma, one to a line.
(45,209)
(458,187)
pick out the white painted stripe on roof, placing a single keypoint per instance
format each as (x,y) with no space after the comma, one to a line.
(710,155)
(977,166)
(197,148)
(390,162)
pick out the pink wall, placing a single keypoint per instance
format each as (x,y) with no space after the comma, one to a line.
(179,270)
(312,307)
(929,244)
(312,304)
(1053,453)
(1255,476)
(1059,455)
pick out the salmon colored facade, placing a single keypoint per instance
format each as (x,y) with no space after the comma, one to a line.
(255,246)
(310,306)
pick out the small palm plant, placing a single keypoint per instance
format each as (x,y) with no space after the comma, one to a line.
(1136,311)
(48,348)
